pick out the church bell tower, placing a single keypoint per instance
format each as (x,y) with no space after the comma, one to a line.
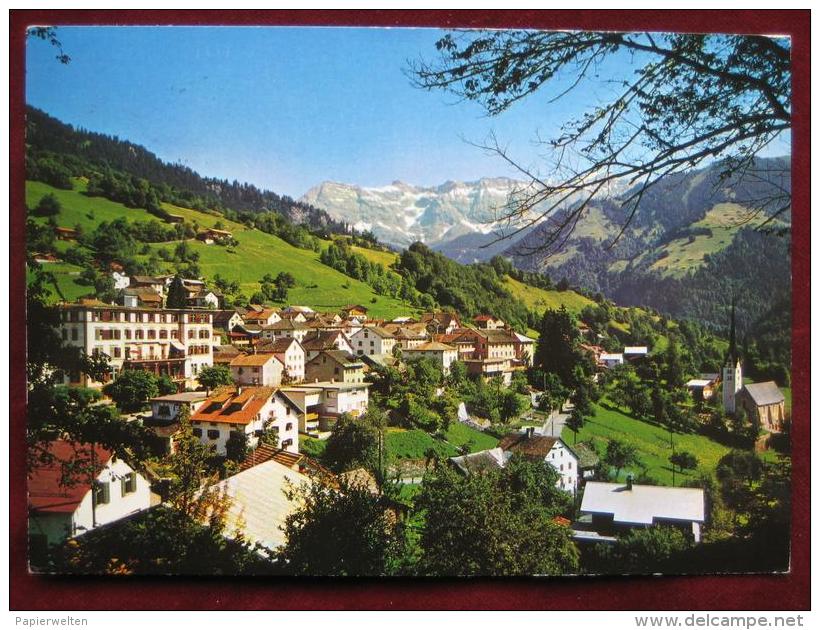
(732,374)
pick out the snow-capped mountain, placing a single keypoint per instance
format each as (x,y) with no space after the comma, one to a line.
(400,213)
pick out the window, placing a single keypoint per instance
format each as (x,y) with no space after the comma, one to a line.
(213,434)
(191,334)
(164,410)
(289,426)
(128,484)
(117,352)
(74,334)
(102,493)
(65,334)
(163,334)
(197,432)
(138,333)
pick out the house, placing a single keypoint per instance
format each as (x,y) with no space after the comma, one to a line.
(323,402)
(262,316)
(66,234)
(609,359)
(285,328)
(524,348)
(257,369)
(141,297)
(223,355)
(245,335)
(204,299)
(764,405)
(228,319)
(441,353)
(212,235)
(167,342)
(632,353)
(157,285)
(335,365)
(480,462)
(64,503)
(320,341)
(166,409)
(551,450)
(440,322)
(703,387)
(290,353)
(249,410)
(372,340)
(488,322)
(408,335)
(353,310)
(615,508)
(258,504)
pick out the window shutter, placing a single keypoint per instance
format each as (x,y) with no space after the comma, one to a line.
(123,486)
(106,493)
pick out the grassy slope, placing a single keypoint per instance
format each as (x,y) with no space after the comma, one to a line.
(541,299)
(459,434)
(413,444)
(257,254)
(651,442)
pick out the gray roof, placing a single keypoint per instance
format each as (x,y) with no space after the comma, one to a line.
(767,393)
(481,461)
(642,505)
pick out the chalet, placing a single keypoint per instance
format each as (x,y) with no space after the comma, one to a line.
(440,322)
(290,353)
(764,405)
(262,316)
(613,508)
(372,340)
(441,353)
(249,410)
(63,503)
(245,335)
(66,234)
(296,309)
(257,369)
(353,310)
(205,299)
(550,450)
(212,235)
(323,340)
(141,297)
(488,322)
(703,387)
(157,285)
(335,365)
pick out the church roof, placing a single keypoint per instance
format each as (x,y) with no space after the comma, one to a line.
(767,393)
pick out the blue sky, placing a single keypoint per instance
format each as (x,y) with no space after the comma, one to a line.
(282,108)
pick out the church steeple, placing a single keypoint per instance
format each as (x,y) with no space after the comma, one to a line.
(731,357)
(732,373)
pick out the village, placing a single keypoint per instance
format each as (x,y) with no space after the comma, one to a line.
(262,386)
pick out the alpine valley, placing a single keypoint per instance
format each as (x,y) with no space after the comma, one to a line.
(693,243)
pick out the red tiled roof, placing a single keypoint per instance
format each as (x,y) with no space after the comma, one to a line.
(253,359)
(233,408)
(53,487)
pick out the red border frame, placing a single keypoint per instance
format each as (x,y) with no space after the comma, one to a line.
(759,592)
